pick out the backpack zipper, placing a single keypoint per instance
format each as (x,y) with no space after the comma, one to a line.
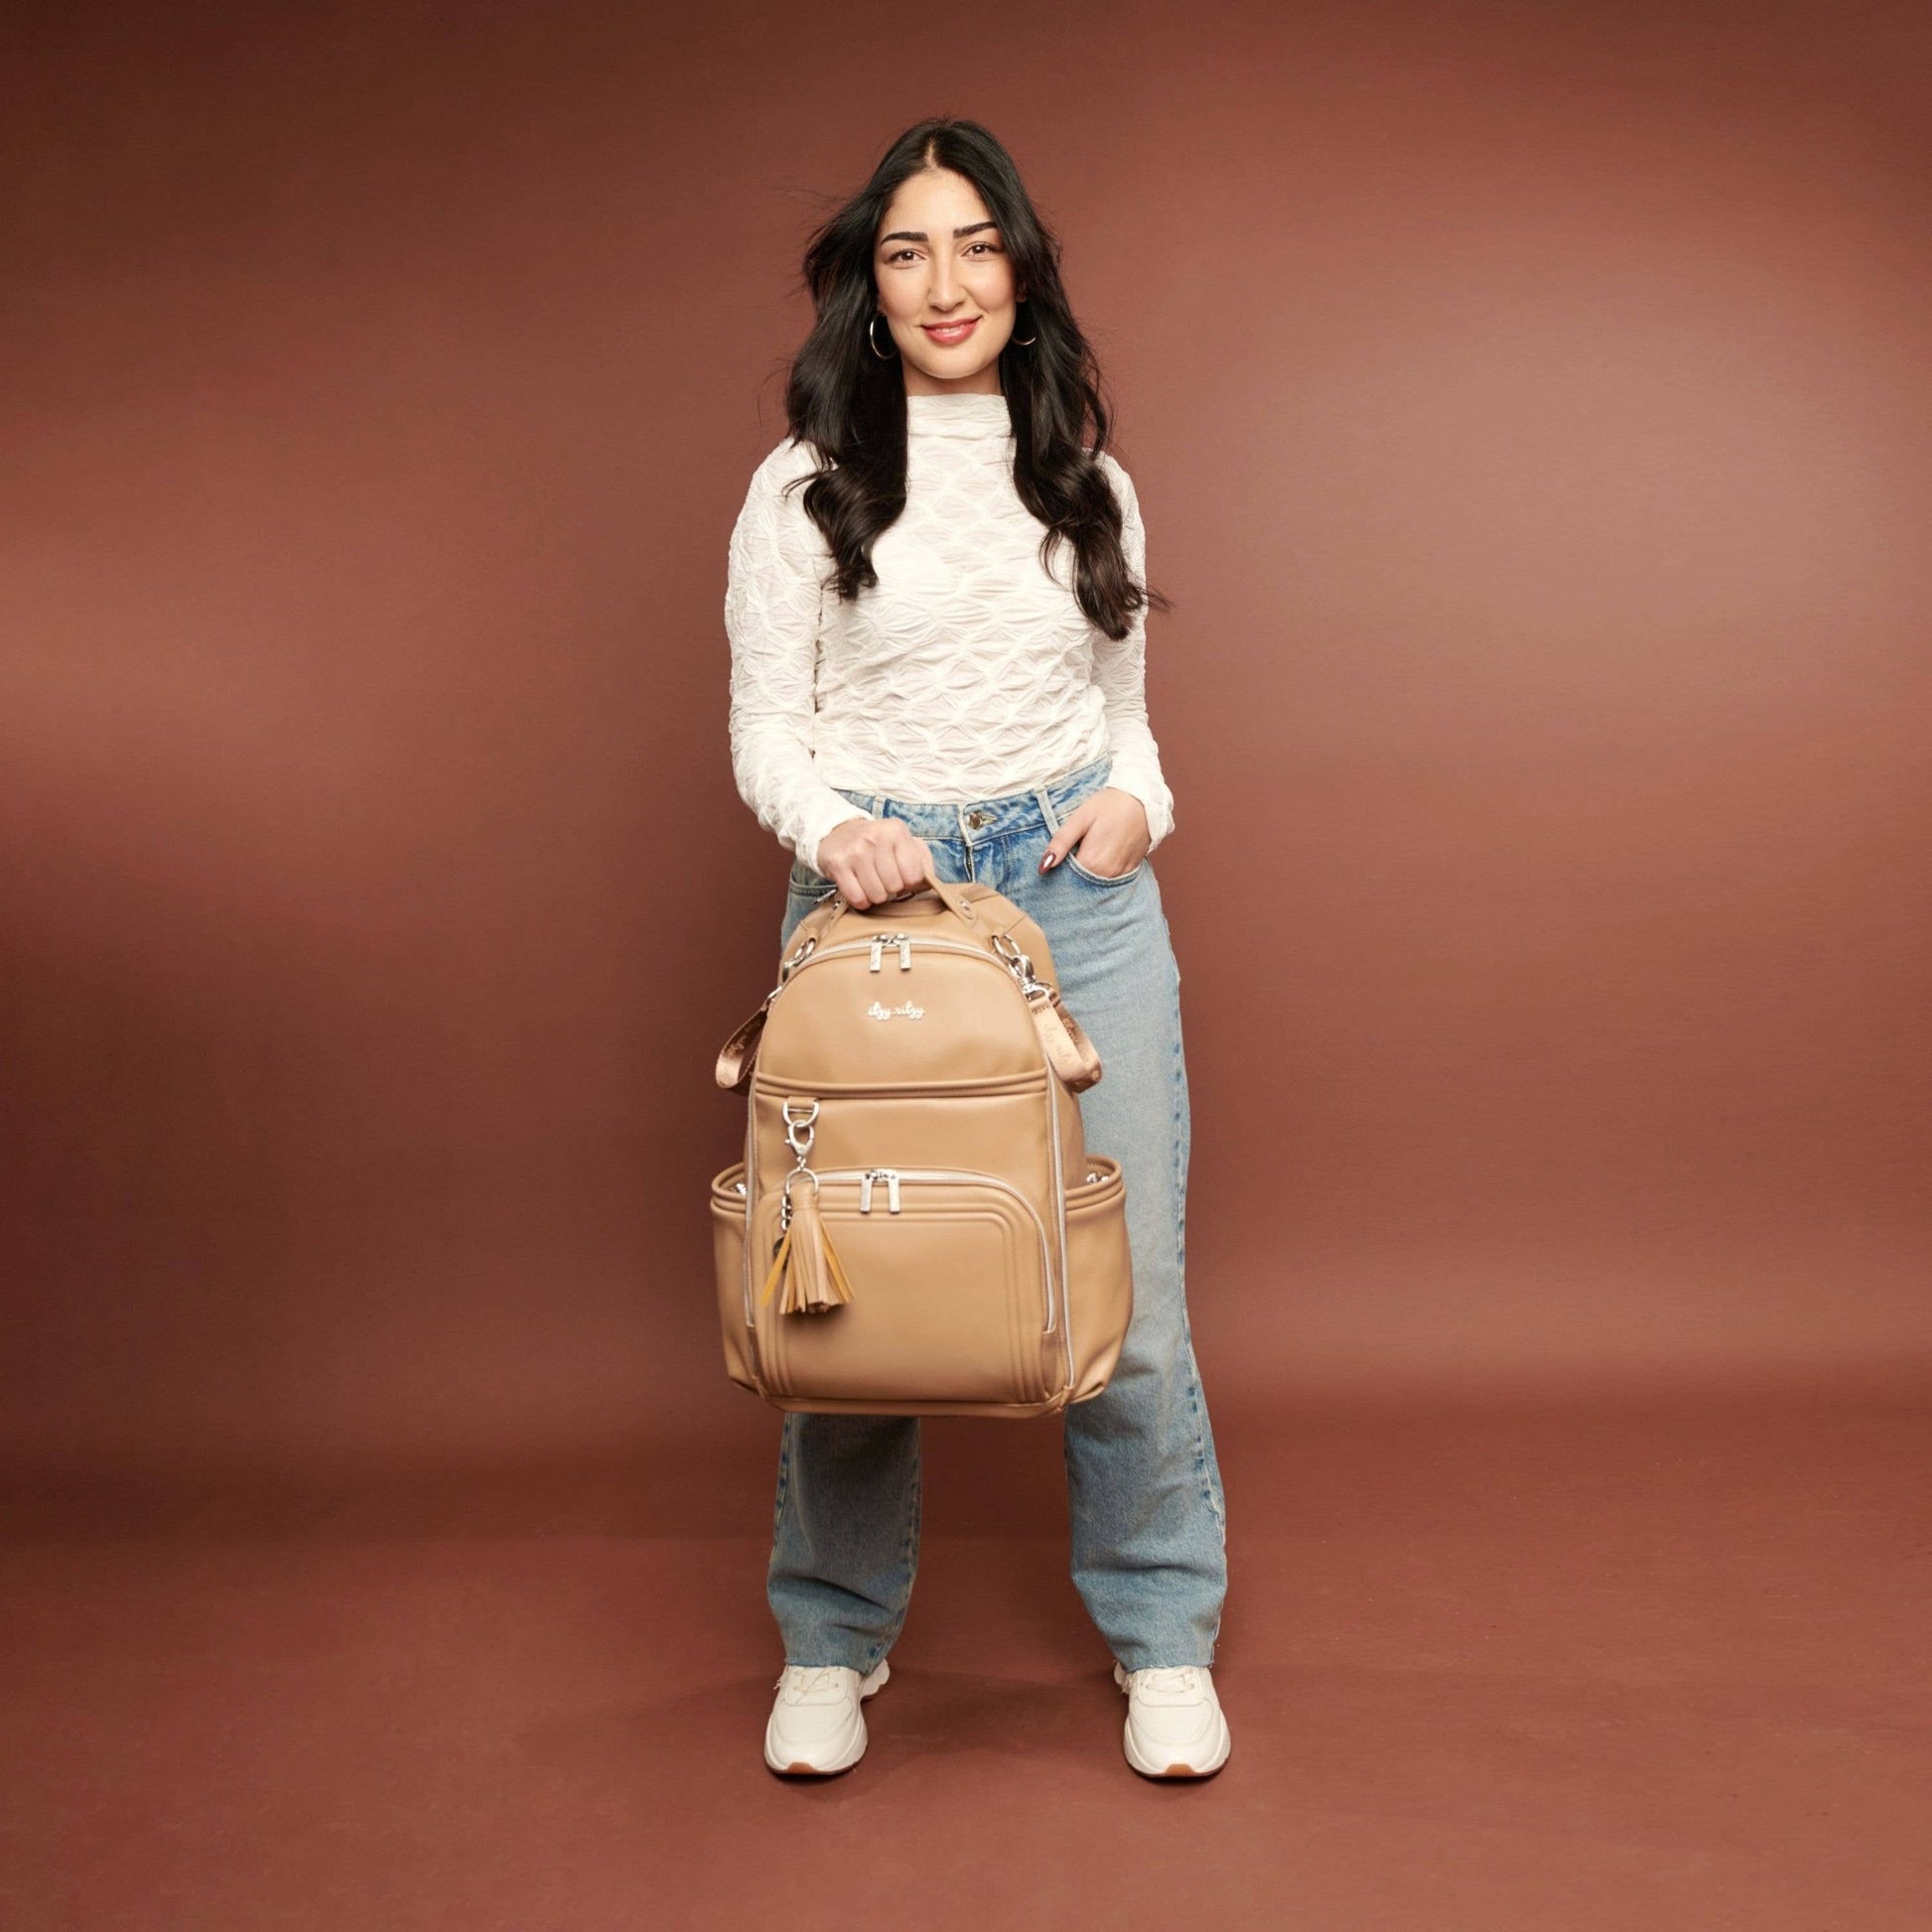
(904,942)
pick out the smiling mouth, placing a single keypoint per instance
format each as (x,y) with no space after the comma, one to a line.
(951,331)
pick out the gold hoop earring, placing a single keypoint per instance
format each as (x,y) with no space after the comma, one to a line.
(873,340)
(1026,341)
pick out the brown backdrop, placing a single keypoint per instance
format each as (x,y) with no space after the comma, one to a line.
(1529,405)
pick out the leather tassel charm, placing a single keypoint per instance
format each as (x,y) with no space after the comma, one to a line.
(807,1264)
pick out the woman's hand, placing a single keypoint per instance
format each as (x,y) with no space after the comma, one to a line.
(1111,830)
(873,859)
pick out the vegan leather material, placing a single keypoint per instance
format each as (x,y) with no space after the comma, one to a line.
(917,1226)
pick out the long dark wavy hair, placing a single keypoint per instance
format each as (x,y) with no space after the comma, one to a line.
(850,403)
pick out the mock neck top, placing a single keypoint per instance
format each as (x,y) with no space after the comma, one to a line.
(969,669)
(963,415)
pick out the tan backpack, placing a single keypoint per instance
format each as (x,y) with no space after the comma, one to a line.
(917,1227)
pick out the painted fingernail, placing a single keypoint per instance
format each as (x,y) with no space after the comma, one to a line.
(1050,862)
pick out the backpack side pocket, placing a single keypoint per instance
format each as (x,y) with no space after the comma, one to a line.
(1100,1273)
(728,1247)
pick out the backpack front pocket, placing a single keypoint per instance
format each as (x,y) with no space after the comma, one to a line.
(952,1291)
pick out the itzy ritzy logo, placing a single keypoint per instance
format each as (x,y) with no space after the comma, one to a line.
(905,1007)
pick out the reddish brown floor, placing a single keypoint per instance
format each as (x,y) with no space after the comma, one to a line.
(1647,1664)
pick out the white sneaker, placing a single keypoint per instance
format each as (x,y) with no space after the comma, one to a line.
(816,1725)
(1174,1725)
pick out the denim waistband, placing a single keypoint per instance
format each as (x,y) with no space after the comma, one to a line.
(975,820)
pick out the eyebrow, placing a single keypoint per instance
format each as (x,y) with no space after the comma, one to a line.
(919,234)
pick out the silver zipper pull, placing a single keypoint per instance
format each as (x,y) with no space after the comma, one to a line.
(904,954)
(878,949)
(891,1189)
(865,1191)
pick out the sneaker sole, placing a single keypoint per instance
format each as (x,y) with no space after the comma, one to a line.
(801,1768)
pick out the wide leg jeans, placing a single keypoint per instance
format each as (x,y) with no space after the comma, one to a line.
(1146,1504)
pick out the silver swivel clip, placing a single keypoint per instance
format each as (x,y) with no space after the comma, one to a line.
(800,1131)
(1019,965)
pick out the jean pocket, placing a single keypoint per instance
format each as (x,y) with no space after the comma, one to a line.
(1126,877)
(804,883)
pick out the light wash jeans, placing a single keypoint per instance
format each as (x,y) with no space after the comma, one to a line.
(1148,1519)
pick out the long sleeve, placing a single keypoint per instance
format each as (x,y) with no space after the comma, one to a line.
(772,613)
(1119,670)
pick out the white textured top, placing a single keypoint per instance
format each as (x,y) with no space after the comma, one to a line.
(968,671)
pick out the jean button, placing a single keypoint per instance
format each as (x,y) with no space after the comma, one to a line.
(976,819)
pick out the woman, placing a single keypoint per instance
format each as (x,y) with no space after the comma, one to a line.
(937,617)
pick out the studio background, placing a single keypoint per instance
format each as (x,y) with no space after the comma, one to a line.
(1538,461)
(1528,409)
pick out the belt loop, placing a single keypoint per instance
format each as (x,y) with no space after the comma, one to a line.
(877,806)
(1043,794)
